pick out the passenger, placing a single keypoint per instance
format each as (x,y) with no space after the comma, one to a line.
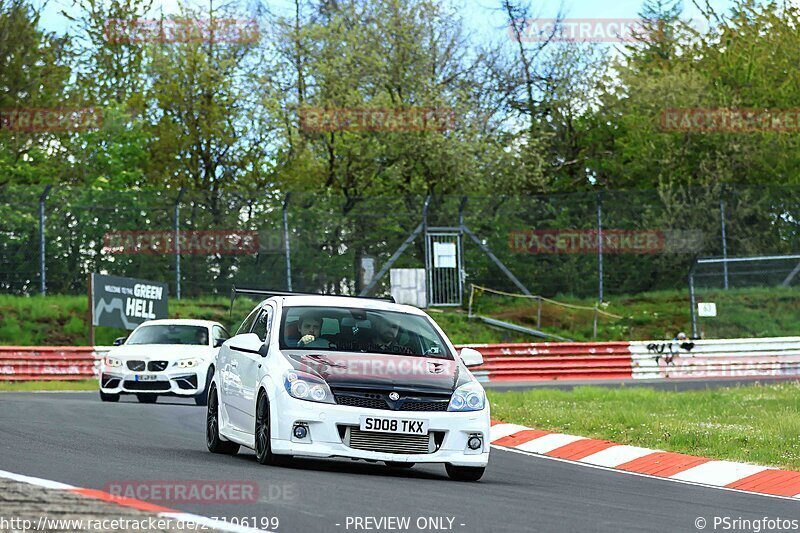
(201,336)
(386,336)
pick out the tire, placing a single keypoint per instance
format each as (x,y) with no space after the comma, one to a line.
(108,397)
(147,398)
(202,398)
(464,473)
(263,432)
(213,441)
(395,464)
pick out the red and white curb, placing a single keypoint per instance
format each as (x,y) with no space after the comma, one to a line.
(139,505)
(644,461)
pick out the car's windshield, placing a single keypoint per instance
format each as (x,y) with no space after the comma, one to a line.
(360,330)
(170,334)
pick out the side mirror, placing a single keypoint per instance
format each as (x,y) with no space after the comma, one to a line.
(219,342)
(471,357)
(119,340)
(249,343)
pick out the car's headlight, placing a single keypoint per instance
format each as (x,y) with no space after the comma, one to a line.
(113,362)
(187,363)
(468,397)
(304,386)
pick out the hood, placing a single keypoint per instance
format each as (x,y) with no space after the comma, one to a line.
(167,352)
(380,371)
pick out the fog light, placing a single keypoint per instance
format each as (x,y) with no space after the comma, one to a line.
(300,432)
(474,443)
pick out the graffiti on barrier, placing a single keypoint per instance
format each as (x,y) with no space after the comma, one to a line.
(668,350)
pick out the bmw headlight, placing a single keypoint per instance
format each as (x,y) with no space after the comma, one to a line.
(468,397)
(304,386)
(113,362)
(187,363)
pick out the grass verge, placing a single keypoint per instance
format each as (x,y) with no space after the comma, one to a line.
(754,423)
(30,386)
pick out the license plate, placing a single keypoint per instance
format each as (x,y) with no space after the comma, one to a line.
(145,377)
(394,425)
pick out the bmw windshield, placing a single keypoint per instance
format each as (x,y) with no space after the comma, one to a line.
(360,330)
(170,334)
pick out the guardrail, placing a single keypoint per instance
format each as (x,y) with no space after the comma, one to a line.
(47,363)
(722,358)
(554,360)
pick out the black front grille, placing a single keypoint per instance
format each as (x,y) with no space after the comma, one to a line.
(157,366)
(136,365)
(412,405)
(146,385)
(357,401)
(389,442)
(381,400)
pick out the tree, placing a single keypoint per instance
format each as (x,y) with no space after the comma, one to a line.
(34,74)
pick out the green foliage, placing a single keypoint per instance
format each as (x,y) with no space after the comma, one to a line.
(31,386)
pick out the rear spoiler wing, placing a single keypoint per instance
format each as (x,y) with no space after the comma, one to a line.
(268,293)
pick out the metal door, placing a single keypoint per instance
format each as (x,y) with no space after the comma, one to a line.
(443,263)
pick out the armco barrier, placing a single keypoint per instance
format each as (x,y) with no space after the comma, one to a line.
(716,358)
(769,357)
(723,358)
(50,363)
(554,360)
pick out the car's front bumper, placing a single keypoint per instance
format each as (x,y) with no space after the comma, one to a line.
(325,423)
(179,382)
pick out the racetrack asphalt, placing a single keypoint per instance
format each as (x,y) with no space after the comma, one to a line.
(74,438)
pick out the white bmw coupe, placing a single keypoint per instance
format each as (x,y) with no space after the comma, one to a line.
(162,357)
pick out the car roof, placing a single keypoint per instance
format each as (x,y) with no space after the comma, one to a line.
(180,322)
(345,302)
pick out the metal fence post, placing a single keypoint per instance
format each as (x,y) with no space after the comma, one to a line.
(178,244)
(286,242)
(692,302)
(539,313)
(600,244)
(724,242)
(42,266)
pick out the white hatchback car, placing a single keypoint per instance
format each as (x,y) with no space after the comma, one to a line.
(162,357)
(331,376)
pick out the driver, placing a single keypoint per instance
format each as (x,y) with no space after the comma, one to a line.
(309,327)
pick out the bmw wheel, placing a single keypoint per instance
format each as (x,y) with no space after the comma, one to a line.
(202,397)
(109,397)
(147,398)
